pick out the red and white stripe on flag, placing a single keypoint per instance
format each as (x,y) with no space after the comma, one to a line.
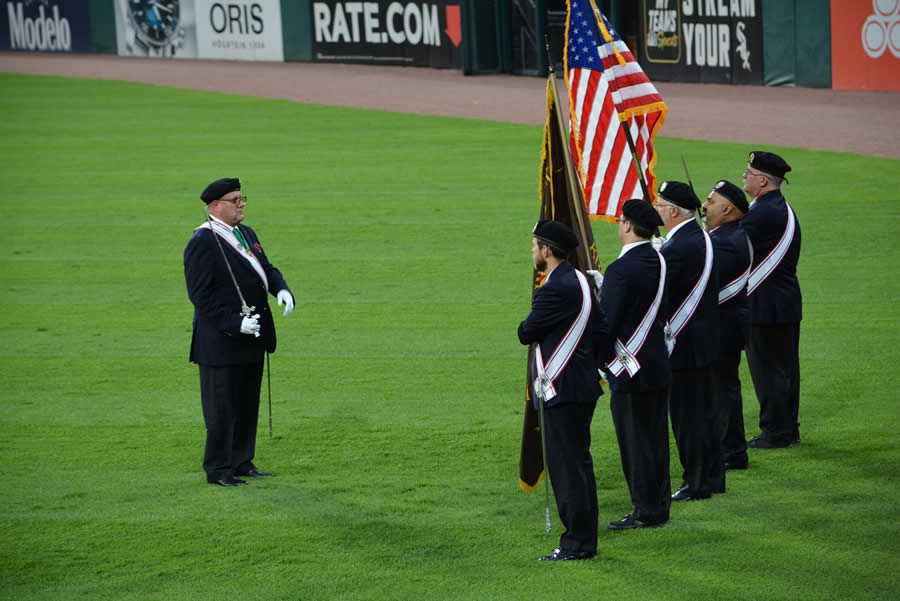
(607,86)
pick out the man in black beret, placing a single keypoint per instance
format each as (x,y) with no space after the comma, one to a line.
(637,365)
(224,261)
(723,210)
(563,320)
(776,304)
(693,315)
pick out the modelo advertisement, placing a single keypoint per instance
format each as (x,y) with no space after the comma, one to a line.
(45,26)
(709,41)
(865,45)
(200,29)
(388,32)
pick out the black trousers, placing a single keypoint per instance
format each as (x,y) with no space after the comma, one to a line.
(642,429)
(729,406)
(692,407)
(567,434)
(773,355)
(230,399)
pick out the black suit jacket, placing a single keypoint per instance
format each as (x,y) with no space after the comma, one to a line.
(555,306)
(629,287)
(732,251)
(685,251)
(777,300)
(217,339)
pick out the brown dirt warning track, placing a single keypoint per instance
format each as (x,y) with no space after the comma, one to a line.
(817,119)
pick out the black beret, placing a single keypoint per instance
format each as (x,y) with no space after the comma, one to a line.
(732,194)
(556,233)
(681,194)
(642,213)
(220,188)
(769,162)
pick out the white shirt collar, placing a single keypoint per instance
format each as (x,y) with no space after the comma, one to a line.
(676,228)
(631,245)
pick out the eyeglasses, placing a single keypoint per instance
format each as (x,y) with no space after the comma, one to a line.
(757,174)
(234,201)
(621,220)
(662,204)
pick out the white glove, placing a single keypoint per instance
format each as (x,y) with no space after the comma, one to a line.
(285,298)
(250,325)
(598,277)
(656,242)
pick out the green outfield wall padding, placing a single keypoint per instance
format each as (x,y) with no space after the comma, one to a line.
(296,30)
(103,26)
(797,42)
(813,26)
(486,36)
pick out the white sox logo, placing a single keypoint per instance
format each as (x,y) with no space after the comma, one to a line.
(742,49)
(882,29)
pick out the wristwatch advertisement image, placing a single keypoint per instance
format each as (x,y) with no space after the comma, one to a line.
(161,28)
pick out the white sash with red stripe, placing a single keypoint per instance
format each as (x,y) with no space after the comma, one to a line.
(767,266)
(626,354)
(549,372)
(224,231)
(684,313)
(734,287)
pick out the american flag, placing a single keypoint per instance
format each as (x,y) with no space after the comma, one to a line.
(607,86)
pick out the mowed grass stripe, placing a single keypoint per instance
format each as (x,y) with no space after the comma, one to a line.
(397,385)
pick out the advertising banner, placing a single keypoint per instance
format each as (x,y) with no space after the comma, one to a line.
(163,28)
(236,30)
(865,45)
(709,41)
(424,33)
(239,30)
(45,25)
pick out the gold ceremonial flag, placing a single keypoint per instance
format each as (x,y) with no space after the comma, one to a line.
(562,200)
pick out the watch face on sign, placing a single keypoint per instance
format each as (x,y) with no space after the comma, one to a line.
(155,21)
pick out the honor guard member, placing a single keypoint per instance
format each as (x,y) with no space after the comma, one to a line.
(775,302)
(224,265)
(637,365)
(722,211)
(565,379)
(692,341)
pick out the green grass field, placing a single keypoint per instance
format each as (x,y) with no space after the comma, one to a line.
(398,383)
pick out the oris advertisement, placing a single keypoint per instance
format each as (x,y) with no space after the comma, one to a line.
(239,30)
(45,26)
(200,29)
(709,41)
(390,32)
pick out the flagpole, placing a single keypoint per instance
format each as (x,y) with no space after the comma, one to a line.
(626,125)
(574,183)
(691,184)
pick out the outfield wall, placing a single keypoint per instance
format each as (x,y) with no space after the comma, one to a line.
(844,44)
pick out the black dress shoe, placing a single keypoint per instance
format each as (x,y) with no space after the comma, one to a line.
(685,493)
(256,473)
(764,442)
(229,481)
(736,464)
(629,522)
(563,555)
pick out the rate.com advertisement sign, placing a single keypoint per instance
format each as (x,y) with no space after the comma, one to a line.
(45,26)
(389,32)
